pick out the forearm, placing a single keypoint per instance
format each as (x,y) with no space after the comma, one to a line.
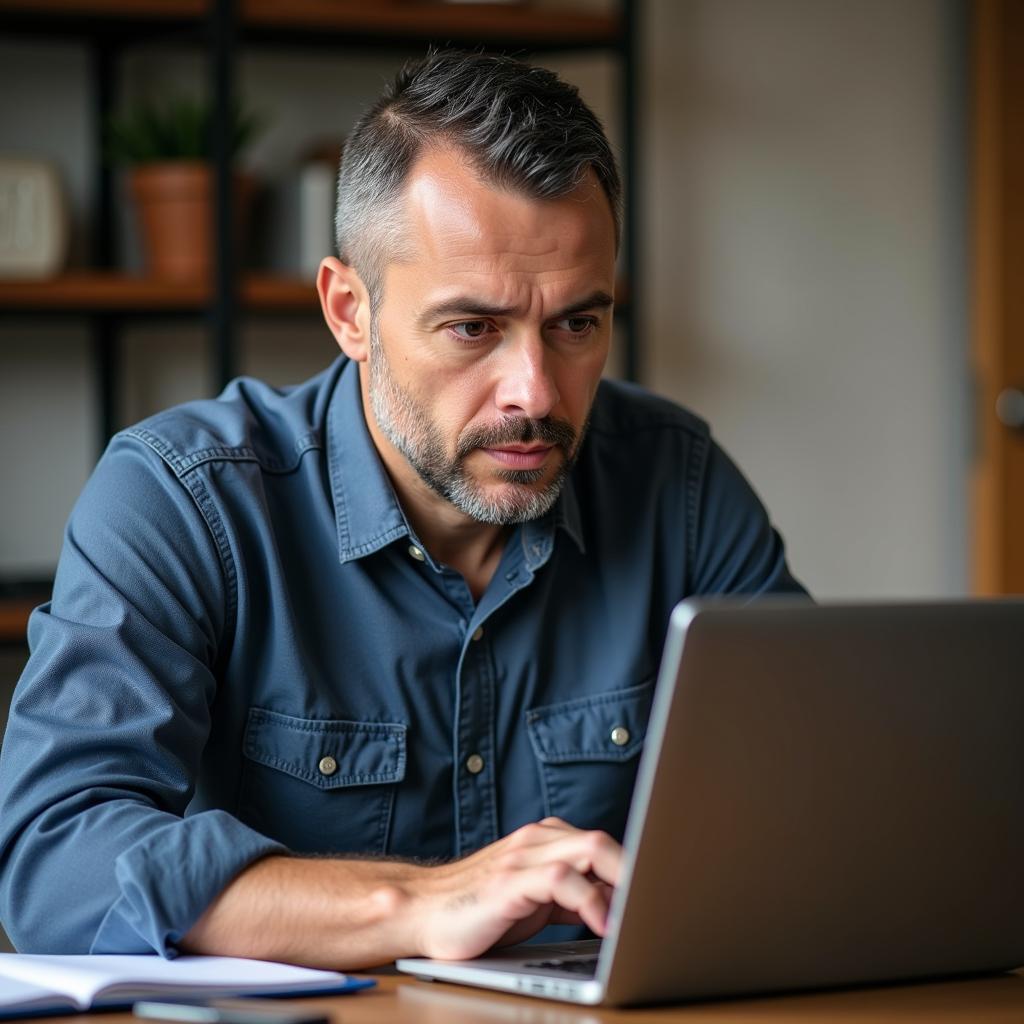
(331,913)
(350,914)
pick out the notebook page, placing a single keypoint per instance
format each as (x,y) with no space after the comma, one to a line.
(21,995)
(86,977)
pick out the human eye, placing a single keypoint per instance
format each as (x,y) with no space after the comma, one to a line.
(579,326)
(471,330)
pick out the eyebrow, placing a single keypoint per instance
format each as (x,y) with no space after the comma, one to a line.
(465,305)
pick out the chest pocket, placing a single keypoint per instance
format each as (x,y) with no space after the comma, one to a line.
(588,751)
(321,785)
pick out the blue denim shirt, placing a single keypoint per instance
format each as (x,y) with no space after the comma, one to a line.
(248,651)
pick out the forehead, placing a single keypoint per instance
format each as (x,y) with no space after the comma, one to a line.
(456,223)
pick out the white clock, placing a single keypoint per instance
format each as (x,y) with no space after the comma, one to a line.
(33,219)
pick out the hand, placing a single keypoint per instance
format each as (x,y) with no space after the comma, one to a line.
(543,873)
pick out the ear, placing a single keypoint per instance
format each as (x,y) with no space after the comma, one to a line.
(346,307)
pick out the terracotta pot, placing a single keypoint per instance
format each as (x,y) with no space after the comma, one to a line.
(174,201)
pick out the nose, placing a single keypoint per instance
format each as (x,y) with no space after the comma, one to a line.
(526,386)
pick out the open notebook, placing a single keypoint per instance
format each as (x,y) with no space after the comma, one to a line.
(32,985)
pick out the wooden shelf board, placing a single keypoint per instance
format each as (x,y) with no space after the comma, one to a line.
(14,613)
(184,10)
(268,292)
(465,22)
(89,291)
(406,19)
(98,292)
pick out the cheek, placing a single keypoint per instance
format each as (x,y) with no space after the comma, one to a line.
(454,403)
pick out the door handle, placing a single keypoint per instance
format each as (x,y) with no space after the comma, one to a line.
(1010,408)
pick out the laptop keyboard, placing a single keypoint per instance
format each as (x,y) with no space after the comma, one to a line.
(584,965)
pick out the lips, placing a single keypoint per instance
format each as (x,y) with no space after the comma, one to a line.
(518,456)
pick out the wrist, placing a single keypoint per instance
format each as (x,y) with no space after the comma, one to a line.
(415,912)
(397,907)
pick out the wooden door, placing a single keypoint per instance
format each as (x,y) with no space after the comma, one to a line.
(998,316)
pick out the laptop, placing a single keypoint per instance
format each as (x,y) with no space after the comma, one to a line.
(828,796)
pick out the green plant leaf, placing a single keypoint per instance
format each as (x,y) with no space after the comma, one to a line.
(178,129)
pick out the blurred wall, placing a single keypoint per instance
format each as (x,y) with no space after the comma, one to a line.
(804,285)
(807,284)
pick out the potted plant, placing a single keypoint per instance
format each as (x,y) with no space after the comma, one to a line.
(171,181)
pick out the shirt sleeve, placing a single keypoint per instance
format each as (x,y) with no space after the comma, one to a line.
(109,720)
(737,550)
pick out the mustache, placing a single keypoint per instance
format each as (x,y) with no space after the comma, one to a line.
(519,430)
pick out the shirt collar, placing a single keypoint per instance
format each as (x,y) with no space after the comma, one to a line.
(366,511)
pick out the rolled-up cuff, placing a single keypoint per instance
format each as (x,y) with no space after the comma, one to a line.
(169,878)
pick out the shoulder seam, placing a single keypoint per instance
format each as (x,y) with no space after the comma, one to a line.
(182,463)
(214,524)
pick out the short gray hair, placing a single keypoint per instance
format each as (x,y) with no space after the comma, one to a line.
(521,126)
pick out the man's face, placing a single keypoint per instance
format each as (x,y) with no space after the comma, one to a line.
(490,339)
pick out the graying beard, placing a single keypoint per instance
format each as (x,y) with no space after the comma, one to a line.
(460,492)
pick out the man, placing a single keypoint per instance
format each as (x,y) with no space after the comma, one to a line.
(408,613)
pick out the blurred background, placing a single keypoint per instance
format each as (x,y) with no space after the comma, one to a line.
(815,187)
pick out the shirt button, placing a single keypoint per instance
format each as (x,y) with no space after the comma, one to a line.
(474,764)
(620,736)
(327,765)
(417,553)
(478,632)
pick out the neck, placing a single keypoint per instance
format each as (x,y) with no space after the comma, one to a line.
(473,549)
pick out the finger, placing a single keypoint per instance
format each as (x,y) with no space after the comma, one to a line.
(601,895)
(560,823)
(559,884)
(592,852)
(559,915)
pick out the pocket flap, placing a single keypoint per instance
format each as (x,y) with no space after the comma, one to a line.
(606,727)
(327,753)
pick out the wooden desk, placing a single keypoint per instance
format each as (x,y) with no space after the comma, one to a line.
(399,999)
